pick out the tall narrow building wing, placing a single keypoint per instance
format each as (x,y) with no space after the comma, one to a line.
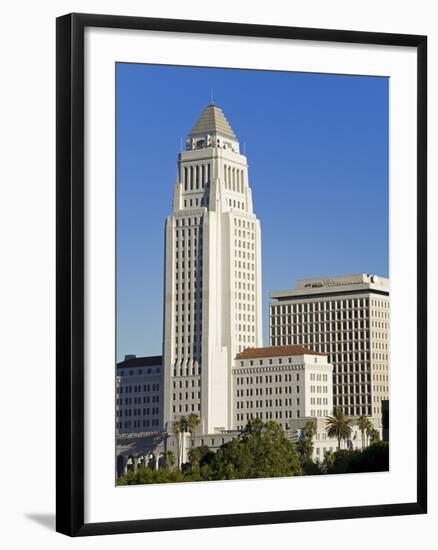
(212,301)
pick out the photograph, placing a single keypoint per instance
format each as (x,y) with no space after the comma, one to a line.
(252,274)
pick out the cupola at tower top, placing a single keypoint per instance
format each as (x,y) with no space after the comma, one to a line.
(212,129)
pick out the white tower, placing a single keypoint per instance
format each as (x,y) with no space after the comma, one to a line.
(212,295)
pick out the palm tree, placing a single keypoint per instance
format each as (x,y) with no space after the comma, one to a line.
(338,425)
(193,422)
(373,434)
(179,428)
(176,431)
(364,424)
(170,459)
(195,455)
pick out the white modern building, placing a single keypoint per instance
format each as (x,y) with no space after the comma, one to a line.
(139,395)
(291,385)
(281,383)
(347,318)
(212,297)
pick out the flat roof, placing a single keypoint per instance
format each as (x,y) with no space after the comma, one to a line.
(135,362)
(340,285)
(275,351)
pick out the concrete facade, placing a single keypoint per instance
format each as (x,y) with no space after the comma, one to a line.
(139,394)
(281,384)
(347,318)
(212,301)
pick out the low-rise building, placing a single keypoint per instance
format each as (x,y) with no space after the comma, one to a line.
(281,383)
(139,395)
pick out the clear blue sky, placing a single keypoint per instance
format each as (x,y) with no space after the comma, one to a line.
(317,148)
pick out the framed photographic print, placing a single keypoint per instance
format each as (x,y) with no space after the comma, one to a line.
(241,274)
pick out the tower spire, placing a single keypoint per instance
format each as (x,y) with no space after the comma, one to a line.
(213,121)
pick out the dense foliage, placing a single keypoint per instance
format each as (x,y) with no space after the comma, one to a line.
(374,458)
(262,450)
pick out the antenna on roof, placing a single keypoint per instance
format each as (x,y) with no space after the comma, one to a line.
(212,96)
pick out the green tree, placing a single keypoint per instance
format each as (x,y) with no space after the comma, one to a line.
(374,458)
(373,434)
(142,476)
(329,460)
(363,423)
(304,443)
(193,422)
(170,460)
(339,426)
(195,455)
(262,450)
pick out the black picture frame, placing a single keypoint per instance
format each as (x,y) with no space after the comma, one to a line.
(70,273)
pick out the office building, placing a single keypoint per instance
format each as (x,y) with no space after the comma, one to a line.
(139,394)
(212,301)
(347,318)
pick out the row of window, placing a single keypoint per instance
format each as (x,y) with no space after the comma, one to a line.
(194,339)
(244,317)
(277,390)
(196,202)
(267,415)
(137,424)
(138,400)
(196,176)
(319,401)
(136,372)
(325,305)
(246,338)
(190,371)
(269,378)
(189,352)
(238,243)
(138,388)
(186,408)
(337,351)
(187,222)
(328,316)
(244,286)
(183,327)
(242,233)
(180,266)
(239,222)
(197,296)
(184,240)
(239,253)
(187,395)
(232,203)
(351,389)
(234,179)
(138,412)
(185,383)
(330,332)
(380,303)
(360,399)
(351,378)
(318,377)
(318,389)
